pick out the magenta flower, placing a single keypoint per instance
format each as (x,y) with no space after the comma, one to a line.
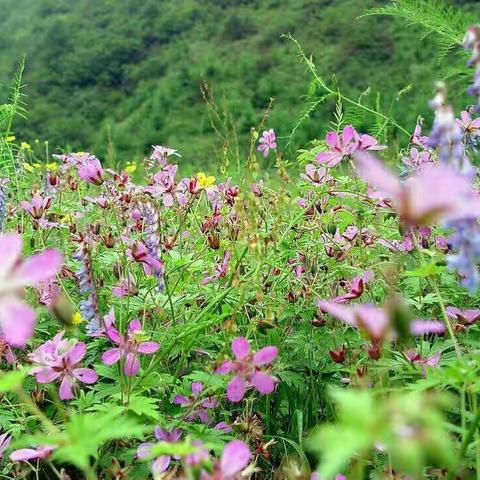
(37,207)
(465,317)
(5,440)
(197,408)
(355,287)
(26,454)
(316,175)
(161,463)
(6,351)
(345,145)
(267,142)
(129,346)
(414,357)
(436,192)
(16,318)
(139,252)
(247,369)
(421,327)
(235,457)
(90,170)
(126,288)
(58,359)
(220,270)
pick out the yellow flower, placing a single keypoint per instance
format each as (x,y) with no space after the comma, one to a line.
(77,318)
(26,146)
(37,165)
(205,181)
(80,153)
(27,167)
(68,218)
(131,167)
(51,167)
(11,138)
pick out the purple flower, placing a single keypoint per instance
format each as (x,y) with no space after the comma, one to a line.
(199,408)
(161,463)
(16,318)
(126,288)
(129,346)
(235,457)
(160,154)
(5,440)
(220,270)
(344,145)
(267,142)
(247,368)
(426,327)
(90,170)
(316,175)
(465,317)
(417,160)
(37,207)
(26,454)
(58,359)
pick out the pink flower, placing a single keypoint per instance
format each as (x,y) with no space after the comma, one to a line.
(417,160)
(235,458)
(161,463)
(368,318)
(220,270)
(421,327)
(436,192)
(161,154)
(139,252)
(465,317)
(247,369)
(5,440)
(90,170)
(6,350)
(197,408)
(267,142)
(355,287)
(37,206)
(344,145)
(414,357)
(472,127)
(26,454)
(126,288)
(16,318)
(58,359)
(315,175)
(129,346)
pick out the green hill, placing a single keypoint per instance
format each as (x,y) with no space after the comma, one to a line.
(131,72)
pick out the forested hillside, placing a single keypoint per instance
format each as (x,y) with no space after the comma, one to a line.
(130,73)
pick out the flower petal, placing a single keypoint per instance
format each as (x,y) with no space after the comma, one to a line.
(262,382)
(148,347)
(240,347)
(265,355)
(65,391)
(85,375)
(111,356)
(235,458)
(236,389)
(11,248)
(17,321)
(132,365)
(38,268)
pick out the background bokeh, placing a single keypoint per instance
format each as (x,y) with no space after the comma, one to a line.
(129,73)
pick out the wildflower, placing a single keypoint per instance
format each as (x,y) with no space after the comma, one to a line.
(200,407)
(415,357)
(426,327)
(257,188)
(161,463)
(25,146)
(436,192)
(59,359)
(26,454)
(6,351)
(417,160)
(37,207)
(220,270)
(372,320)
(16,318)
(344,145)
(161,154)
(417,138)
(27,167)
(205,181)
(247,369)
(5,440)
(267,142)
(51,167)
(127,287)
(464,317)
(128,348)
(77,318)
(151,266)
(235,457)
(89,306)
(355,287)
(90,170)
(131,167)
(11,138)
(48,292)
(471,42)
(315,175)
